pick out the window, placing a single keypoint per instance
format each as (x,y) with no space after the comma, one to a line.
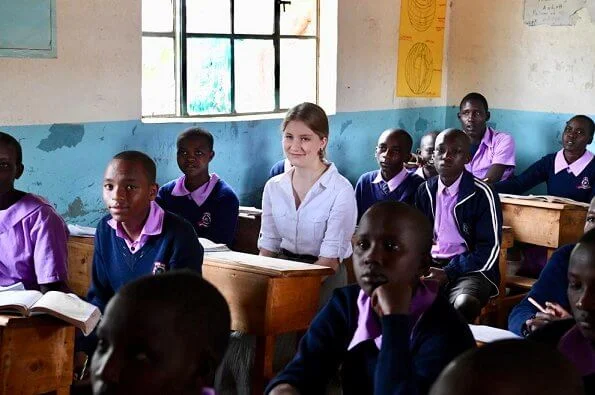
(209,58)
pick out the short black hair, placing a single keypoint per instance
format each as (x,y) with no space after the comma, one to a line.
(588,120)
(403,134)
(474,96)
(196,132)
(147,163)
(7,139)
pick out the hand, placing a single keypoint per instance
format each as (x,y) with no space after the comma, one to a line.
(554,312)
(284,389)
(333,263)
(392,298)
(438,275)
(81,361)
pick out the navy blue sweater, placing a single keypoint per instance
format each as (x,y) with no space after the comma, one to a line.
(278,168)
(114,265)
(407,363)
(216,219)
(563,184)
(479,220)
(550,287)
(367,193)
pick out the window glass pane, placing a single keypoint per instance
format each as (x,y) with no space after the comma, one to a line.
(255,75)
(208,16)
(209,76)
(299,18)
(158,81)
(158,15)
(254,16)
(298,71)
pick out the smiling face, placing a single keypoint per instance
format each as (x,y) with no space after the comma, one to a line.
(451,153)
(392,150)
(581,288)
(10,169)
(577,135)
(474,117)
(426,147)
(194,155)
(301,145)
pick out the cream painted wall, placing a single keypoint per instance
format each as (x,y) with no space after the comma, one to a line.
(541,68)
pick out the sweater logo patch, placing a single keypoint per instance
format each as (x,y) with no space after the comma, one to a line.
(585,184)
(466,229)
(205,221)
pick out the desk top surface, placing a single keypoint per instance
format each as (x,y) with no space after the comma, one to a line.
(541,204)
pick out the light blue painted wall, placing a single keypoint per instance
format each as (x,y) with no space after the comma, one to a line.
(65,162)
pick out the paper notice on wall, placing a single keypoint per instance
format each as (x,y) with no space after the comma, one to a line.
(421,40)
(555,12)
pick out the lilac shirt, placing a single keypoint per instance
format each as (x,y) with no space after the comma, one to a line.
(495,148)
(200,194)
(448,240)
(576,167)
(574,346)
(394,182)
(33,244)
(152,226)
(369,328)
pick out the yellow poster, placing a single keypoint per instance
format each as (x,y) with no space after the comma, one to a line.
(421,39)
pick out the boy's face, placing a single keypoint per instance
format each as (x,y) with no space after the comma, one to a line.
(581,289)
(386,250)
(451,154)
(139,353)
(426,147)
(590,220)
(301,145)
(391,152)
(9,169)
(194,155)
(127,192)
(473,117)
(576,136)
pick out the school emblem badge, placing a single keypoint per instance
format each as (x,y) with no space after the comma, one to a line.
(466,229)
(205,221)
(585,184)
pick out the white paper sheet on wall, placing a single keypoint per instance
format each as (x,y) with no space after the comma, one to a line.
(555,12)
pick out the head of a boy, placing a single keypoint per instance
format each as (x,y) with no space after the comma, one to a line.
(11,162)
(129,186)
(161,334)
(426,146)
(451,153)
(578,133)
(474,115)
(581,284)
(393,148)
(393,243)
(509,367)
(590,219)
(195,151)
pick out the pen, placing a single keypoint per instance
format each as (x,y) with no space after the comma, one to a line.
(539,307)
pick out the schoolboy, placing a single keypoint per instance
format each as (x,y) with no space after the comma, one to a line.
(137,237)
(391,333)
(568,173)
(32,235)
(203,199)
(509,367)
(161,335)
(492,152)
(467,222)
(392,181)
(425,153)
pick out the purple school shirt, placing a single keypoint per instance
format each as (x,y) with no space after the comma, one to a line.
(200,194)
(394,182)
(369,328)
(152,226)
(32,243)
(574,346)
(575,167)
(495,148)
(448,241)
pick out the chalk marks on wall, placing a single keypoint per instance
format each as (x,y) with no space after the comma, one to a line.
(555,12)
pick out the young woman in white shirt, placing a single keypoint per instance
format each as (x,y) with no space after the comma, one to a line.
(309,213)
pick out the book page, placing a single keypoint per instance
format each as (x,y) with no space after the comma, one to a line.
(70,308)
(210,246)
(263,261)
(14,287)
(18,301)
(488,334)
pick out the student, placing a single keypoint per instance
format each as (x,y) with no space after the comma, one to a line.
(391,333)
(32,235)
(467,221)
(153,341)
(203,199)
(279,168)
(392,181)
(509,367)
(426,170)
(492,152)
(137,237)
(568,173)
(575,338)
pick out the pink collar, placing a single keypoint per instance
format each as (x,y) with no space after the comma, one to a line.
(394,182)
(153,225)
(575,167)
(199,195)
(453,189)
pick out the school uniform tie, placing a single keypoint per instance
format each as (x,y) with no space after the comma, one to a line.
(384,187)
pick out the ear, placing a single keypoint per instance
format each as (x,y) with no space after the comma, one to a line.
(424,265)
(153,188)
(488,115)
(324,142)
(459,115)
(211,156)
(21,169)
(468,159)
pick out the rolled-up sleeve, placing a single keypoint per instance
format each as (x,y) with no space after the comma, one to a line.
(269,237)
(340,226)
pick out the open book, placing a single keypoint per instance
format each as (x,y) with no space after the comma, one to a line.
(210,246)
(545,198)
(67,307)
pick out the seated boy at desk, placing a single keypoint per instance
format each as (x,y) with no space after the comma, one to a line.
(568,173)
(425,153)
(467,220)
(392,181)
(392,332)
(203,199)
(152,341)
(137,237)
(32,235)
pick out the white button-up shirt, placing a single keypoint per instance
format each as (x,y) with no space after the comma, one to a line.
(322,225)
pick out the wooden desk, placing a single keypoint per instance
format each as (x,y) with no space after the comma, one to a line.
(267,297)
(247,234)
(80,262)
(36,355)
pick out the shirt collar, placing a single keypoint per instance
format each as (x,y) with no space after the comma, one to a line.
(394,182)
(368,326)
(574,346)
(575,167)
(153,225)
(201,193)
(453,189)
(325,179)
(488,137)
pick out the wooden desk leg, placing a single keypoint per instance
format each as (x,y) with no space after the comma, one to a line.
(263,363)
(550,252)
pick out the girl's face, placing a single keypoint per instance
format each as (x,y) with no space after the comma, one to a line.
(10,170)
(581,289)
(301,145)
